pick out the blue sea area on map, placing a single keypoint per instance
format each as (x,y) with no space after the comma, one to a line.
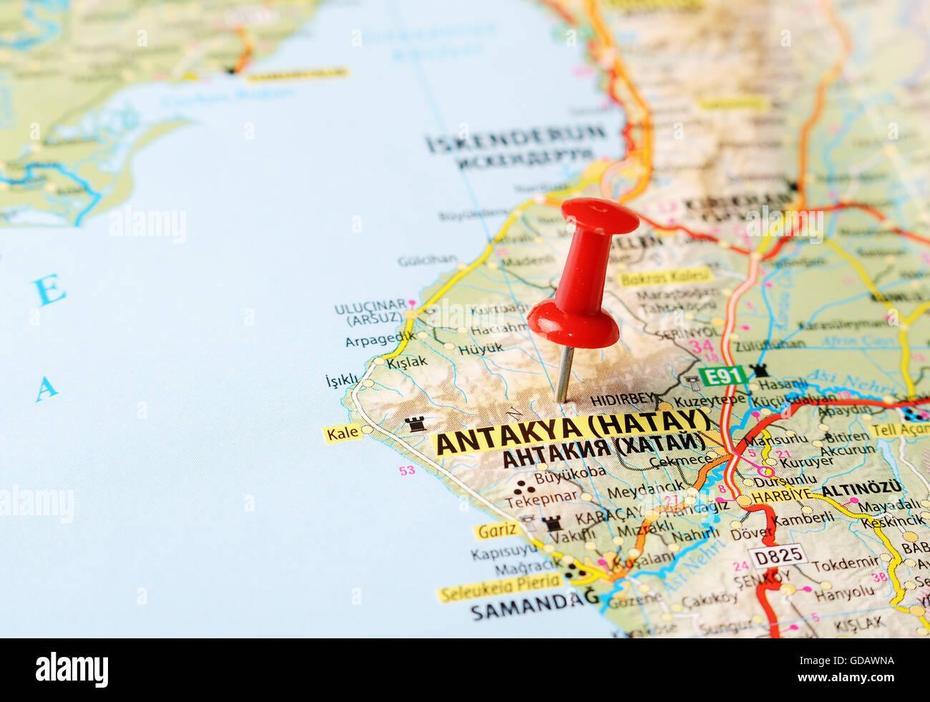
(191,370)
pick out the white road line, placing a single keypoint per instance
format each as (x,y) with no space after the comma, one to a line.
(429,461)
(911,465)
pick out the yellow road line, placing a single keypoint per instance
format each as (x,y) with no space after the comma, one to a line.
(896,558)
(903,329)
(590,177)
(906,346)
(461,273)
(767,448)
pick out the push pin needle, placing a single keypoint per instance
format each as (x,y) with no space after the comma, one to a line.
(574,318)
(565,372)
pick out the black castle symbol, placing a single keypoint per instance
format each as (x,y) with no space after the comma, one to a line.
(416,423)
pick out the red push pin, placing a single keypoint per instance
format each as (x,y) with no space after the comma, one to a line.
(574,319)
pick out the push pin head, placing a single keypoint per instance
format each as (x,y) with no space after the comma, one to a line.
(574,318)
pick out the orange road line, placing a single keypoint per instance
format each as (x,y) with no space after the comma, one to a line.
(643,120)
(248,50)
(643,530)
(874,212)
(559,9)
(820,100)
(616,73)
(700,236)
